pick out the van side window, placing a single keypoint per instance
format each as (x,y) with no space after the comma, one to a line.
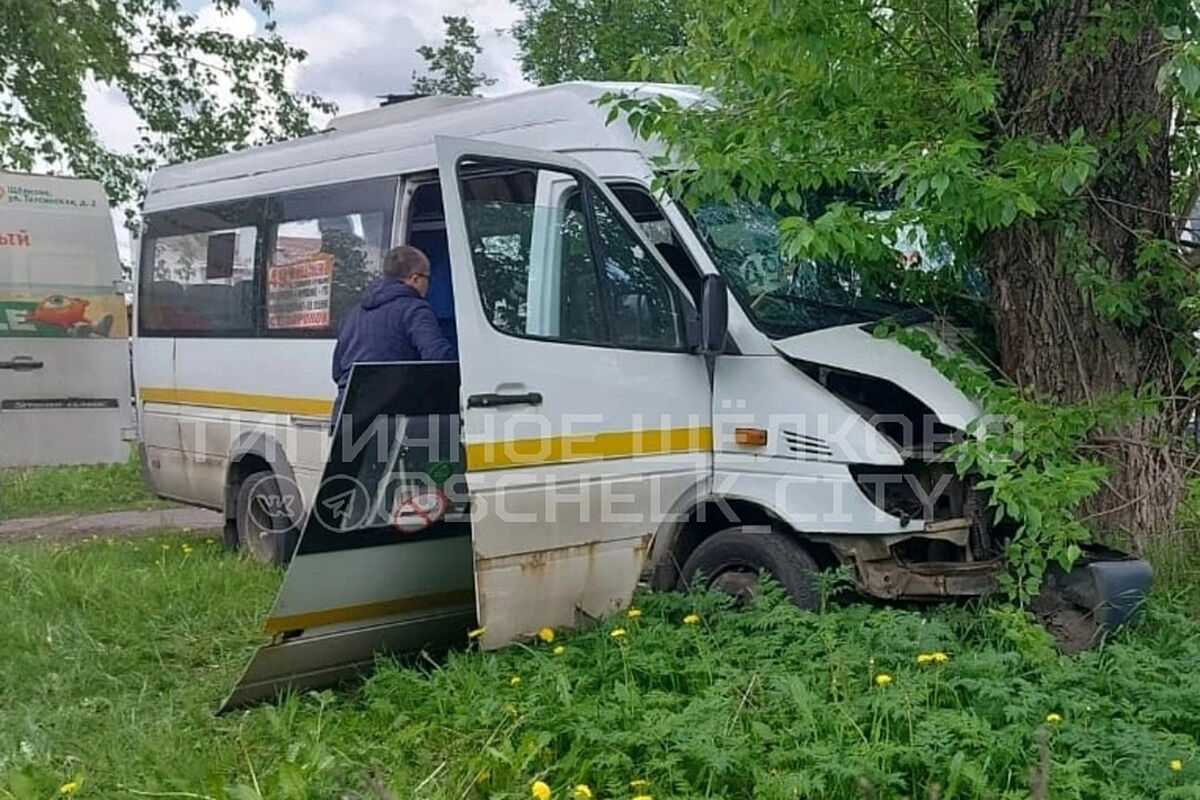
(646,311)
(197,274)
(533,263)
(553,260)
(657,230)
(324,247)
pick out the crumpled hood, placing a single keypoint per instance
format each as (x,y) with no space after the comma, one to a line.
(851,348)
(385,291)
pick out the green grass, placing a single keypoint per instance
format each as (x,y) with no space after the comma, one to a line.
(1176,558)
(32,491)
(115,655)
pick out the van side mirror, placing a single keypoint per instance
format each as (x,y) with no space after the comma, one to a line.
(714,315)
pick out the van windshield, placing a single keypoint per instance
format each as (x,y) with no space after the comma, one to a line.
(788,297)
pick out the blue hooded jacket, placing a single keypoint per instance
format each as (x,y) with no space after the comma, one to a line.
(392,322)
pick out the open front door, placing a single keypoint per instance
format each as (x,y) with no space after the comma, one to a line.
(384,559)
(586,415)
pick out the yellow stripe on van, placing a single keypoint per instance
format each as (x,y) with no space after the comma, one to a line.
(365,611)
(586,447)
(241,401)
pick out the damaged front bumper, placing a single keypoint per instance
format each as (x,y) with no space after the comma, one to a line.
(1107,586)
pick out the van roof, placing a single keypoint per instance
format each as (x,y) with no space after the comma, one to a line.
(398,138)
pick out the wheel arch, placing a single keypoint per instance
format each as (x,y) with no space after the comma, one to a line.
(702,516)
(253,452)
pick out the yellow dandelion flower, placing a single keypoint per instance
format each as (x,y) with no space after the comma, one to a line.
(633,613)
(210,541)
(639,783)
(165,546)
(1053,719)
(924,658)
(1176,765)
(546,635)
(514,680)
(939,657)
(582,792)
(110,541)
(883,679)
(617,633)
(560,650)
(643,797)
(510,709)
(540,790)
(69,787)
(187,549)
(691,619)
(475,634)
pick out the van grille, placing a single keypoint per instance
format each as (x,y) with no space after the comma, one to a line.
(808,446)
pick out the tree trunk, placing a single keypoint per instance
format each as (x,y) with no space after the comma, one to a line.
(1056,76)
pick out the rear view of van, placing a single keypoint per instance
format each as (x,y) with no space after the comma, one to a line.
(65,388)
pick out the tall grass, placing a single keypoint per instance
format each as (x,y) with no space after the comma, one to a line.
(1176,558)
(31,491)
(115,656)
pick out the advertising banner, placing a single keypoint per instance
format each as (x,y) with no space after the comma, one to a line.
(56,312)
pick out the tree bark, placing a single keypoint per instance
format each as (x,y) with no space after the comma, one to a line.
(1056,76)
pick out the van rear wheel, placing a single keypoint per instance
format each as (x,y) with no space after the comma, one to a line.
(730,561)
(265,531)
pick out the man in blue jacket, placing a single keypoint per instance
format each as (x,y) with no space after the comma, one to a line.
(392,321)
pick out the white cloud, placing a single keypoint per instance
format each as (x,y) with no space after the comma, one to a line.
(239,22)
(360,49)
(357,49)
(109,113)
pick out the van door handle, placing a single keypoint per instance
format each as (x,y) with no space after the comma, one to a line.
(21,364)
(492,400)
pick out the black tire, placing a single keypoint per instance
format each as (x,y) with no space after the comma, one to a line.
(263,536)
(730,560)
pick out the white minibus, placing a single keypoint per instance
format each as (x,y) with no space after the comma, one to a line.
(641,392)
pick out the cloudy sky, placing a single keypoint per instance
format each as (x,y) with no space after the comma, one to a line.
(357,49)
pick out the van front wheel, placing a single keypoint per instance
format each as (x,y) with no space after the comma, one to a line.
(731,560)
(265,531)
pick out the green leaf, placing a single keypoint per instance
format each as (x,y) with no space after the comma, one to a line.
(1189,77)
(1069,181)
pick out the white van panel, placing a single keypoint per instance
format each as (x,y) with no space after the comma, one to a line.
(218,392)
(65,381)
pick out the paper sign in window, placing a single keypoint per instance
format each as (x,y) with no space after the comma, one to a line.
(298,293)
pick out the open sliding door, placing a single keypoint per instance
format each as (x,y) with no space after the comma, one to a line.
(383,564)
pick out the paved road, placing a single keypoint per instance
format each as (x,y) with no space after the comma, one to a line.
(113,523)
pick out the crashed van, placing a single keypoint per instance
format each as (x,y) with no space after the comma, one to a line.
(642,394)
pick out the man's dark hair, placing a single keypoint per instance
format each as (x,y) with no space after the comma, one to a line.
(402,261)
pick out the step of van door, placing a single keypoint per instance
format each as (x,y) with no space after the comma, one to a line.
(384,562)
